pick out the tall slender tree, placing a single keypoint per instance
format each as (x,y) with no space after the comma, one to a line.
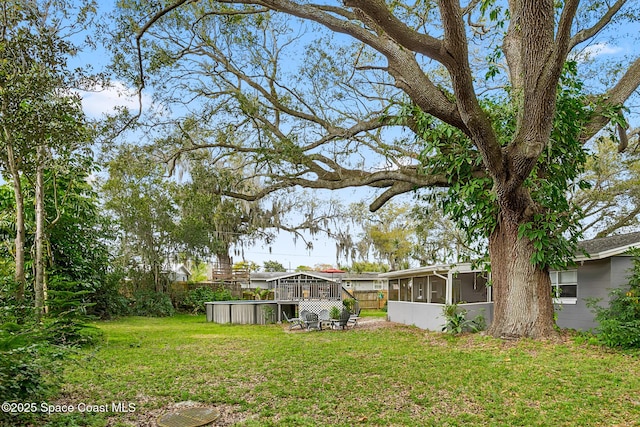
(41,118)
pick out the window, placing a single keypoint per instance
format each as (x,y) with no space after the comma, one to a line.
(564,286)
(394,290)
(438,289)
(405,289)
(420,289)
(470,288)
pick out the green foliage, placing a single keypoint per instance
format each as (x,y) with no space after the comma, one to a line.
(269,314)
(199,272)
(249,266)
(555,229)
(470,200)
(32,352)
(620,321)
(613,201)
(366,267)
(26,371)
(151,304)
(71,332)
(260,294)
(349,304)
(195,298)
(388,233)
(457,322)
(273,267)
(334,313)
(142,206)
(107,301)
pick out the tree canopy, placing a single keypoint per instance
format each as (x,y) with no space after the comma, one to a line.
(489,100)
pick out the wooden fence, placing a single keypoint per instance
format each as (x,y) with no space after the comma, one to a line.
(370,300)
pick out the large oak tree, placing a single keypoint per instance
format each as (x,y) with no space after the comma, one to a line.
(321,95)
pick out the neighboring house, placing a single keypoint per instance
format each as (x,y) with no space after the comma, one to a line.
(368,288)
(292,292)
(607,267)
(417,296)
(178,273)
(350,281)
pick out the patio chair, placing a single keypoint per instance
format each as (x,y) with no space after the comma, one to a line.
(354,318)
(324,318)
(312,322)
(343,320)
(293,322)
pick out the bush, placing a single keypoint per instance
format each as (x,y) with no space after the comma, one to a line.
(28,371)
(70,332)
(107,300)
(152,304)
(620,322)
(195,299)
(29,367)
(349,304)
(457,323)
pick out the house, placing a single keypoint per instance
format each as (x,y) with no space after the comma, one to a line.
(302,291)
(177,273)
(368,288)
(417,296)
(607,267)
(351,281)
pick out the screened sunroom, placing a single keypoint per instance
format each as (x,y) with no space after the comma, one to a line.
(418,296)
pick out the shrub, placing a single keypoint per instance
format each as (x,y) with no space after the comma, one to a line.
(152,304)
(334,313)
(349,304)
(620,322)
(195,298)
(108,301)
(457,322)
(70,332)
(29,367)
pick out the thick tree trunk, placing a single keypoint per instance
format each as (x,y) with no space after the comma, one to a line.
(39,261)
(523,306)
(20,277)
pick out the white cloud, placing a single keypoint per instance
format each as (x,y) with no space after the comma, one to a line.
(104,100)
(594,51)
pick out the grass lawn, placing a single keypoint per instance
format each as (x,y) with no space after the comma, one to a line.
(378,374)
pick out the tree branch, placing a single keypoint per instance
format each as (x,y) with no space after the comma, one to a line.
(474,118)
(563,35)
(378,12)
(588,33)
(616,96)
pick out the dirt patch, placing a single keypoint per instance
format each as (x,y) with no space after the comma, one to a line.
(365,323)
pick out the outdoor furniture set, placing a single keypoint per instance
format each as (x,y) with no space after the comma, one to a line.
(317,321)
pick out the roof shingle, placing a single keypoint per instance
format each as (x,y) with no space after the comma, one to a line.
(602,244)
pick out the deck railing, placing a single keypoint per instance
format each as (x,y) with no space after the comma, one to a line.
(308,291)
